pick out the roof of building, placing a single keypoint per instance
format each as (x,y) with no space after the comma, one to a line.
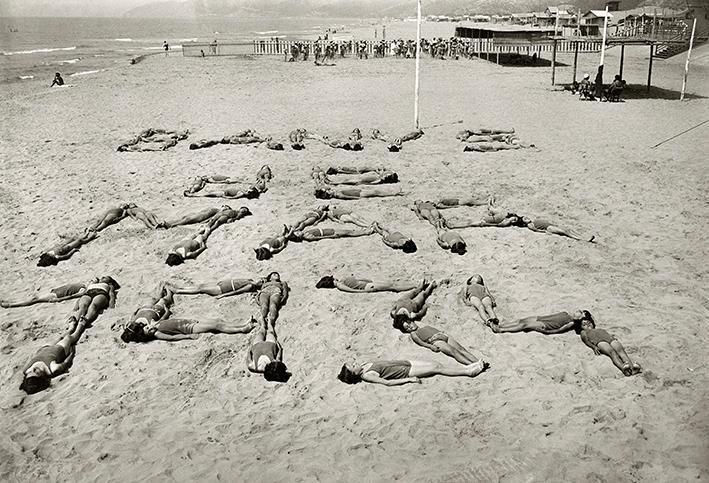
(598,13)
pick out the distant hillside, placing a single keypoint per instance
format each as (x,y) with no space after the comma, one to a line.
(362,8)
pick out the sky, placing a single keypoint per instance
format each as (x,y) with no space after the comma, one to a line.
(89,8)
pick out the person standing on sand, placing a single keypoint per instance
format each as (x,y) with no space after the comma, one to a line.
(58,81)
(400,372)
(166,47)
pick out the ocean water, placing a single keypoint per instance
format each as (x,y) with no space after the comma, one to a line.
(36,48)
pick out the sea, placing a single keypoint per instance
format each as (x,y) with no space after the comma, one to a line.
(35,48)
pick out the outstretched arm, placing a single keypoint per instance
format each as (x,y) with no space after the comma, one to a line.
(373,377)
(286,292)
(585,340)
(173,338)
(420,342)
(57,369)
(345,288)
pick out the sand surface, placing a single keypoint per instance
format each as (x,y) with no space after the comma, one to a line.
(549,410)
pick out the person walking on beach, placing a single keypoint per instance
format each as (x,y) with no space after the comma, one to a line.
(58,81)
(166,47)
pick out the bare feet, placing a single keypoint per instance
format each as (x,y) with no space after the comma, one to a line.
(627,370)
(636,369)
(478,368)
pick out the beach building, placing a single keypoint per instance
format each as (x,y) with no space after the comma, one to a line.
(591,22)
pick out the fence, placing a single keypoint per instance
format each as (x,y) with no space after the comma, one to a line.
(476,46)
(209,49)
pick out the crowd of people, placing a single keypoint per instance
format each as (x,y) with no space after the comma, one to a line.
(152,319)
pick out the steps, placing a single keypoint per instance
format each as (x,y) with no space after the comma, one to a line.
(665,51)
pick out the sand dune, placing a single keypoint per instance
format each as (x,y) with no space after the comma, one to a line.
(547,411)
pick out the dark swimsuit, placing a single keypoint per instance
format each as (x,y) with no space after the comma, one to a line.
(596,336)
(541,224)
(555,321)
(391,369)
(150,313)
(264,348)
(176,326)
(449,202)
(68,290)
(355,283)
(405,303)
(428,334)
(49,354)
(479,291)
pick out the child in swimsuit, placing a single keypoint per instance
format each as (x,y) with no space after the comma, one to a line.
(271,246)
(265,356)
(413,305)
(399,372)
(435,340)
(546,324)
(604,343)
(52,360)
(476,294)
(58,294)
(181,329)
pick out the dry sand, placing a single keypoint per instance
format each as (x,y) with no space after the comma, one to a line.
(547,411)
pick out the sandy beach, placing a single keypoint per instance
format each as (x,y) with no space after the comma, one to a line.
(548,410)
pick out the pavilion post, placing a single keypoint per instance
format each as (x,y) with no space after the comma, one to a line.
(576,58)
(686,65)
(622,55)
(553,63)
(418,61)
(649,70)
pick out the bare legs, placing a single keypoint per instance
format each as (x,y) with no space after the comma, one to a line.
(453,349)
(484,308)
(424,369)
(216,326)
(89,308)
(270,307)
(617,354)
(555,230)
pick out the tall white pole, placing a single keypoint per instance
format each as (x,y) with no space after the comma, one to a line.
(686,65)
(605,30)
(418,59)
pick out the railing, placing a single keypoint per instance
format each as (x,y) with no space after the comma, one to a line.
(466,45)
(210,49)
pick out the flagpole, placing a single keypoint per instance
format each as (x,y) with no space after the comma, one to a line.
(418,59)
(686,65)
(603,45)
